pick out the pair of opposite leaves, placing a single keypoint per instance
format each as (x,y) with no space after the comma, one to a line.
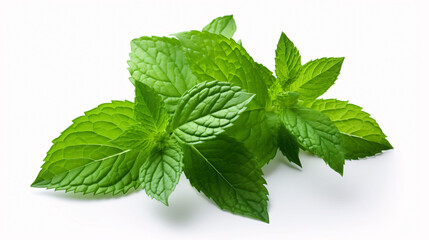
(182,119)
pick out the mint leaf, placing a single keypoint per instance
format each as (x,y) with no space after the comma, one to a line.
(149,108)
(225,172)
(317,77)
(257,130)
(222,25)
(289,146)
(215,57)
(160,63)
(136,137)
(82,158)
(317,133)
(207,109)
(288,61)
(160,173)
(361,134)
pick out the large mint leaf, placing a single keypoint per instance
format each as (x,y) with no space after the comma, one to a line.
(215,57)
(160,63)
(225,172)
(149,108)
(288,61)
(361,134)
(317,133)
(222,25)
(257,130)
(207,109)
(82,158)
(317,77)
(161,172)
(288,145)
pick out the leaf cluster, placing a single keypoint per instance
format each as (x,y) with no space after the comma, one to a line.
(204,107)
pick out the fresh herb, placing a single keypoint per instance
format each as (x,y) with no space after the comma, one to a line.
(205,107)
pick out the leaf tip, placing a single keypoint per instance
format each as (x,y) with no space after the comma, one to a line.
(388,145)
(338,168)
(163,200)
(264,217)
(37,183)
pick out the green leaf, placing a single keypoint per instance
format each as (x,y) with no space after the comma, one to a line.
(136,137)
(225,172)
(82,158)
(288,145)
(215,57)
(207,110)
(288,61)
(361,134)
(257,130)
(317,77)
(222,25)
(160,63)
(149,108)
(161,172)
(317,133)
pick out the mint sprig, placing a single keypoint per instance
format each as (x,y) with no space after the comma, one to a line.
(121,145)
(205,107)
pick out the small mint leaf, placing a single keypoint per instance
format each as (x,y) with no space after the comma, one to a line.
(289,146)
(222,25)
(149,108)
(288,61)
(207,110)
(160,173)
(317,133)
(317,77)
(361,134)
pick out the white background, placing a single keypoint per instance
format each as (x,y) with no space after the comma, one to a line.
(60,58)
